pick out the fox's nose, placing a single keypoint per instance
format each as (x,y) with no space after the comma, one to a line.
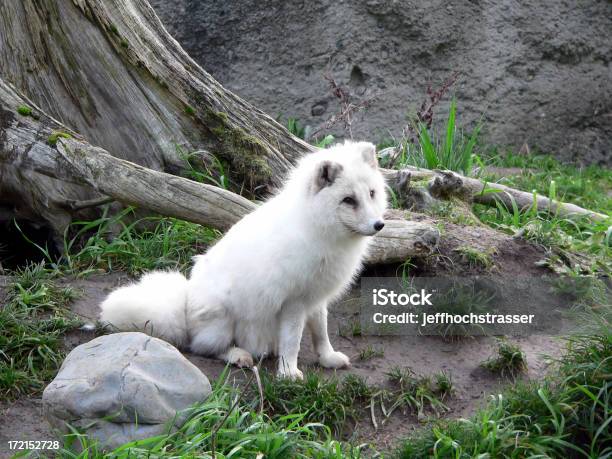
(379,225)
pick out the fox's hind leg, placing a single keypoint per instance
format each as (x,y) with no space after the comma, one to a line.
(214,337)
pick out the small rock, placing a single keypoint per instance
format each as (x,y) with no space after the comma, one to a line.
(123,387)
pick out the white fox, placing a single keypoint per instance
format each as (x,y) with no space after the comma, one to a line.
(273,273)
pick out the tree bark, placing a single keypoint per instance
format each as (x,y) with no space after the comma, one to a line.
(109,70)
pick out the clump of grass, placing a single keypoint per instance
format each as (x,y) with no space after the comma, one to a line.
(352,328)
(566,415)
(370,352)
(509,361)
(327,401)
(575,245)
(109,243)
(55,135)
(460,297)
(418,393)
(294,127)
(24,110)
(218,428)
(584,291)
(215,173)
(475,258)
(443,383)
(32,321)
(451,150)
(136,246)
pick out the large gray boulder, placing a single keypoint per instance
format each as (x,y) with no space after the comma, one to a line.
(123,387)
(538,71)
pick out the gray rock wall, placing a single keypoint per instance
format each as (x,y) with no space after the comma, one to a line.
(539,72)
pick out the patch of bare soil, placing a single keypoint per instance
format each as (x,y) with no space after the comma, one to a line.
(23,420)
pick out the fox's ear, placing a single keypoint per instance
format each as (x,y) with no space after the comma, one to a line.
(368,153)
(326,175)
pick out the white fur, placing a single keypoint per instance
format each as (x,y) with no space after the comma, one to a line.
(274,272)
(154,305)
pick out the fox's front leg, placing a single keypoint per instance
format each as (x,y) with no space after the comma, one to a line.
(291,327)
(328,358)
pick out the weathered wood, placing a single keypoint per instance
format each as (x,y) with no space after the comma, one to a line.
(109,70)
(445,182)
(400,240)
(163,193)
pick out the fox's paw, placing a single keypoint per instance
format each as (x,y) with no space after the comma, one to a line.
(289,373)
(334,359)
(239,357)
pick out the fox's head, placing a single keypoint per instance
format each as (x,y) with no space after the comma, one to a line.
(347,188)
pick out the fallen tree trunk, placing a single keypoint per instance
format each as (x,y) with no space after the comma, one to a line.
(27,145)
(445,183)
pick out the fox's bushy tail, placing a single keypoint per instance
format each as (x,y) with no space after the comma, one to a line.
(155,305)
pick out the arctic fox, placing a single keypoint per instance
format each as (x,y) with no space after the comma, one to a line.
(273,273)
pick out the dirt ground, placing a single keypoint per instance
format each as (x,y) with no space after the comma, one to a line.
(23,420)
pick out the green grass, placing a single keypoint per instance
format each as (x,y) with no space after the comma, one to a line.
(451,149)
(583,186)
(294,127)
(216,173)
(475,258)
(576,246)
(370,352)
(113,244)
(235,429)
(418,393)
(510,360)
(350,328)
(568,414)
(33,319)
(329,401)
(299,418)
(461,297)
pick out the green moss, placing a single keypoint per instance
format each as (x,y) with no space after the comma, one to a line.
(52,140)
(476,258)
(124,43)
(247,153)
(189,110)
(455,211)
(24,110)
(113,29)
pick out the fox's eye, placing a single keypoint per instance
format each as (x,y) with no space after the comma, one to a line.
(372,193)
(350,201)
